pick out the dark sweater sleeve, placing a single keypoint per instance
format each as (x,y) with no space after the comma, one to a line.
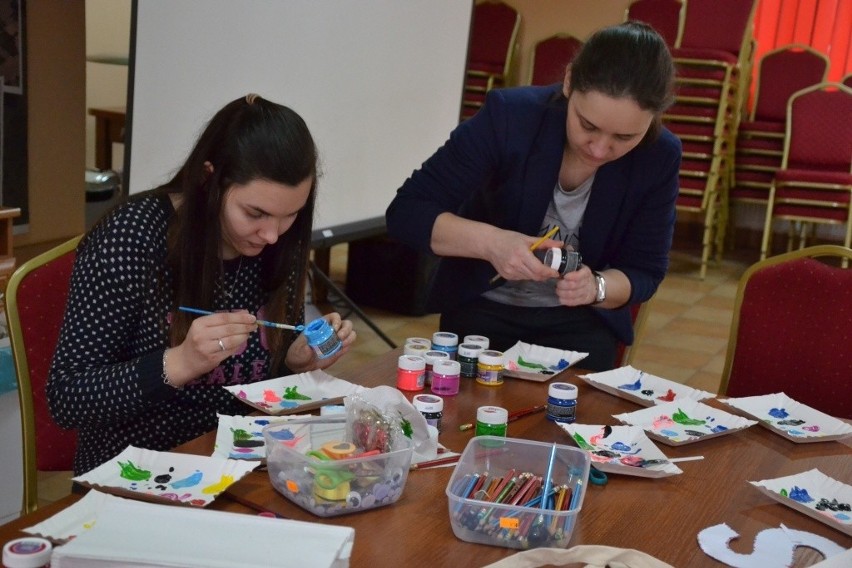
(108,362)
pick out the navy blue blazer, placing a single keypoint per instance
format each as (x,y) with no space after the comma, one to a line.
(501,167)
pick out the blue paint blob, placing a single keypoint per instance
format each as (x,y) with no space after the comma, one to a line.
(796,433)
(620,447)
(800,495)
(288,404)
(283,434)
(632,387)
(563,364)
(262,422)
(842,517)
(718,428)
(190,481)
(669,433)
(778,413)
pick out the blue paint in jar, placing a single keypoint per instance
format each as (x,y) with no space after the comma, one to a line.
(322,338)
(562,402)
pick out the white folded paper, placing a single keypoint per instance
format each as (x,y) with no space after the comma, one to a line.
(133,534)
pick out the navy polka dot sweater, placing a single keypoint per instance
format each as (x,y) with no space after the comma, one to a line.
(106,377)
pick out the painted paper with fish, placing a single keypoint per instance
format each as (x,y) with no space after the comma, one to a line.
(294,393)
(643,388)
(684,422)
(182,479)
(815,494)
(621,449)
(241,437)
(537,363)
(790,418)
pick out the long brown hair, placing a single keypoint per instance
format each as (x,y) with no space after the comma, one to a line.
(250,138)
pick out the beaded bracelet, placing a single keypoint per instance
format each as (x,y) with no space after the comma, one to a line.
(166,380)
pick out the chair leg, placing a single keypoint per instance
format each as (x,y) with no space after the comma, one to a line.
(767,224)
(707,238)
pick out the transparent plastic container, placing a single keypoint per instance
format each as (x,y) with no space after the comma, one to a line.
(329,487)
(515,526)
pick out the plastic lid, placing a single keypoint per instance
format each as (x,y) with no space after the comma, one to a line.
(415,349)
(445,338)
(433,356)
(470,349)
(412,363)
(428,403)
(420,340)
(477,339)
(491,357)
(554,255)
(446,367)
(27,552)
(492,415)
(562,391)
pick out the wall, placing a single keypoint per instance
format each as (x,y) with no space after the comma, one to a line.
(55,51)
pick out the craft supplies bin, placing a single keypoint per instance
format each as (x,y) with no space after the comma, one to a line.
(486,522)
(331,486)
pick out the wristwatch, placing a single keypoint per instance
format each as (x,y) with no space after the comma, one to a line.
(600,282)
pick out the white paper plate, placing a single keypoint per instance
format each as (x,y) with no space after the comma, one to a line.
(610,446)
(814,494)
(72,521)
(642,388)
(170,477)
(791,419)
(537,363)
(276,396)
(684,422)
(241,437)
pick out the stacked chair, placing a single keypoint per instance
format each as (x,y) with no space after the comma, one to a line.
(814,184)
(760,138)
(550,57)
(714,58)
(491,54)
(665,16)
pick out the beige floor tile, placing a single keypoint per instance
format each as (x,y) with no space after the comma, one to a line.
(705,381)
(698,328)
(708,314)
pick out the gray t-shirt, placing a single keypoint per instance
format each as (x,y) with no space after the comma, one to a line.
(566,211)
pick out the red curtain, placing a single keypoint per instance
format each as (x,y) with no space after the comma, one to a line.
(825,25)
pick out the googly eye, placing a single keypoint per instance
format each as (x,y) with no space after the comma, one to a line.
(397,475)
(353,499)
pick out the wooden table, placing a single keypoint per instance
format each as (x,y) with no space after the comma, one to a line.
(109,128)
(661,517)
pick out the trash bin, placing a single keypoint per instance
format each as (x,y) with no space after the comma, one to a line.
(102,185)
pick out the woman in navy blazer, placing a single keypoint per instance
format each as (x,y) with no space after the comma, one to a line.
(587,158)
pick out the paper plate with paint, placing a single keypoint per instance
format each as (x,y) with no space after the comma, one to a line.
(684,422)
(73,520)
(166,477)
(814,494)
(294,393)
(643,388)
(241,437)
(621,449)
(791,419)
(537,363)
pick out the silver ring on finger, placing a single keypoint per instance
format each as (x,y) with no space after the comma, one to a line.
(221,345)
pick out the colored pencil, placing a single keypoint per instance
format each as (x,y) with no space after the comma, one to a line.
(436,462)
(534,246)
(260,322)
(512,415)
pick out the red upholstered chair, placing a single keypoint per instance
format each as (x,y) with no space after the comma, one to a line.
(814,183)
(624,353)
(665,16)
(760,139)
(35,306)
(791,328)
(491,53)
(847,80)
(551,56)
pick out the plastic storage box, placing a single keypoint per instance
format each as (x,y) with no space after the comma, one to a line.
(297,456)
(479,517)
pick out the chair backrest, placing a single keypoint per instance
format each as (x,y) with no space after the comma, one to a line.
(35,306)
(847,80)
(717,24)
(493,36)
(639,315)
(818,133)
(790,331)
(782,72)
(551,56)
(665,16)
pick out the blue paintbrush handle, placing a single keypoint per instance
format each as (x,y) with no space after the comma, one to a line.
(260,322)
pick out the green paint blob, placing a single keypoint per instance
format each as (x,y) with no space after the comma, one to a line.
(292,393)
(681,418)
(584,445)
(133,473)
(240,434)
(529,365)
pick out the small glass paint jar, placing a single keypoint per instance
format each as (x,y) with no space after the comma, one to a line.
(27,552)
(446,341)
(468,357)
(491,421)
(411,373)
(432,357)
(560,259)
(416,349)
(431,407)
(322,338)
(445,377)
(489,368)
(478,340)
(419,340)
(562,402)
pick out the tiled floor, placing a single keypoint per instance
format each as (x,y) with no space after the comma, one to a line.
(685,336)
